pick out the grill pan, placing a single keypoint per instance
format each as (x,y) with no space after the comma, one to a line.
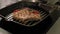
(17,28)
(7,12)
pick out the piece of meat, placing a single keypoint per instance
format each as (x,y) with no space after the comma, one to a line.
(26,13)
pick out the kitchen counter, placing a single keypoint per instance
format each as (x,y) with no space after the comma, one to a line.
(2,31)
(55,29)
